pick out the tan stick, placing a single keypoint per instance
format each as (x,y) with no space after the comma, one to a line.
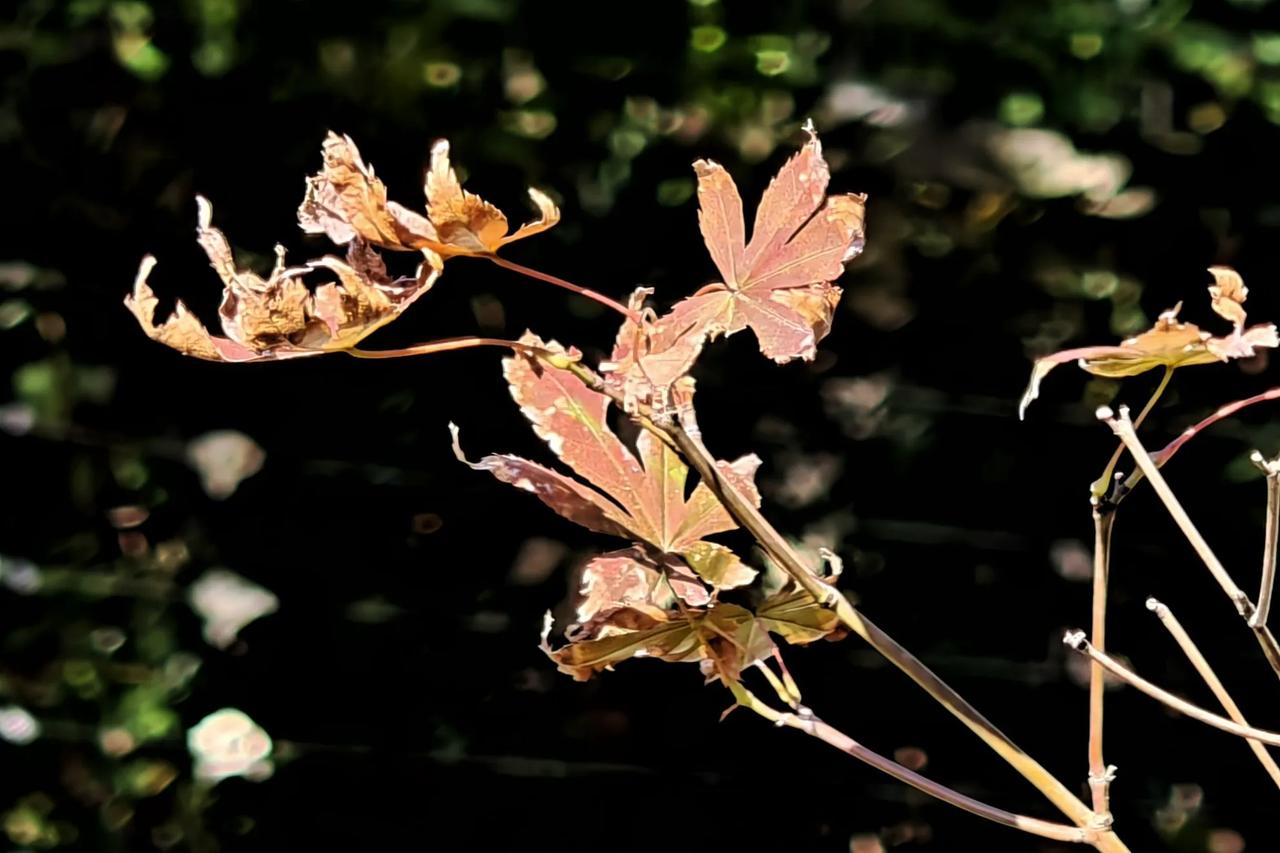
(1210,677)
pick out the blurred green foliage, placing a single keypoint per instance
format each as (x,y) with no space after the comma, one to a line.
(1039,173)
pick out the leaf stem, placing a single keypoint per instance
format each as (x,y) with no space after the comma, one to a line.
(1077,641)
(804,721)
(1210,677)
(1166,453)
(1100,773)
(442,345)
(1101,484)
(567,285)
(1123,427)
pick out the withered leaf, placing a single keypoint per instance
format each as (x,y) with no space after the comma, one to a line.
(277,317)
(726,637)
(345,200)
(780,283)
(1169,343)
(798,618)
(466,223)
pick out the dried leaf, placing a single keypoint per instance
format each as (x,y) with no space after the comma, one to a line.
(344,200)
(1170,343)
(779,284)
(467,224)
(726,637)
(278,317)
(798,618)
(1228,294)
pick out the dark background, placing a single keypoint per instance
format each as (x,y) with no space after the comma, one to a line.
(401,677)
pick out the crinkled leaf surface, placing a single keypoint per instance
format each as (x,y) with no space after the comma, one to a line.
(467,224)
(345,200)
(278,317)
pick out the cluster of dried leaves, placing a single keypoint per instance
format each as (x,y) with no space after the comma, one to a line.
(278,317)
(1171,343)
(661,595)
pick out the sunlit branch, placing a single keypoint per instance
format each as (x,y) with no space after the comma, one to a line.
(1123,427)
(1102,483)
(567,285)
(744,512)
(1100,773)
(804,721)
(1166,453)
(1077,641)
(1272,469)
(1210,677)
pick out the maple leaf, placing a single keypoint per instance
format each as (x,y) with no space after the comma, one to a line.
(780,283)
(278,317)
(1169,343)
(345,200)
(643,492)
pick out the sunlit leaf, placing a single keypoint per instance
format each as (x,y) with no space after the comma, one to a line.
(1170,343)
(277,317)
(779,284)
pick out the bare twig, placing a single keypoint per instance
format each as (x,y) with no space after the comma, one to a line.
(1210,677)
(1270,467)
(1100,773)
(1101,485)
(1123,427)
(803,720)
(1162,456)
(1077,641)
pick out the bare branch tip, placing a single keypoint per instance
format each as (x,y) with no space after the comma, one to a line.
(1076,640)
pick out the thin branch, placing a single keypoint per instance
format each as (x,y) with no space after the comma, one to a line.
(804,721)
(689,445)
(1272,469)
(1210,677)
(746,514)
(567,285)
(1077,641)
(1100,773)
(1123,427)
(1100,485)
(1162,456)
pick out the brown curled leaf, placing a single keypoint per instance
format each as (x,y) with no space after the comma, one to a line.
(344,200)
(466,223)
(1170,343)
(277,317)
